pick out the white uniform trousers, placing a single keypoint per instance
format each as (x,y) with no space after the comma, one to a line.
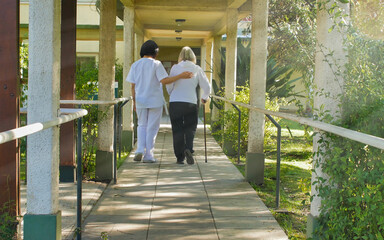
(148,126)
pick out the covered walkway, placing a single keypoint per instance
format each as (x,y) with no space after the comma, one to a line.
(166,200)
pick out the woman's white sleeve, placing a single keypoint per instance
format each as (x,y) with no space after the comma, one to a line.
(204,84)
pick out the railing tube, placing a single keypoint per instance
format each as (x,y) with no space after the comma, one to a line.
(115,109)
(79,177)
(278,160)
(120,127)
(238,133)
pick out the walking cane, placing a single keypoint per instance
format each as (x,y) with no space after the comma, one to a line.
(205,134)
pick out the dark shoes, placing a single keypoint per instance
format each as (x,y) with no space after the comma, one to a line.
(180,162)
(189,156)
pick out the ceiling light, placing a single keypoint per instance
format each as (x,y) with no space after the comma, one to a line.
(179,21)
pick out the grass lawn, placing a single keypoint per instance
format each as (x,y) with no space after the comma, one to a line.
(295,176)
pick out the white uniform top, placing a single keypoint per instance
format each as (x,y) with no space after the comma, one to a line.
(146,74)
(184,90)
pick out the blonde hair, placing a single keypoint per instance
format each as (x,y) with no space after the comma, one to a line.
(187,54)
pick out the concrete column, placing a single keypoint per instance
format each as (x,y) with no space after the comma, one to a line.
(231,55)
(330,58)
(208,59)
(9,110)
(43,218)
(208,70)
(203,55)
(129,22)
(230,68)
(67,89)
(216,68)
(258,75)
(139,40)
(107,55)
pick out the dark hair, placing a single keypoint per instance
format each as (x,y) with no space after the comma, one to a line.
(149,48)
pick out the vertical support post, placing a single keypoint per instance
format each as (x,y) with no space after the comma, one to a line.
(139,40)
(254,169)
(127,138)
(43,218)
(331,86)
(216,68)
(208,61)
(238,132)
(67,88)
(278,160)
(79,177)
(104,154)
(119,126)
(115,130)
(9,110)
(230,67)
(231,55)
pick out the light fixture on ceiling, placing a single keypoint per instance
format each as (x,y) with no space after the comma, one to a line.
(179,21)
(178,39)
(177,31)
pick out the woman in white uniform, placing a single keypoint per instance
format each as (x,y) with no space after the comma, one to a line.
(183,104)
(147,76)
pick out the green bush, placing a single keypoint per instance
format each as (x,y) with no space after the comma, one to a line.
(352,196)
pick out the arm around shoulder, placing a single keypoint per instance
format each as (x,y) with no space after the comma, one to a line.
(182,75)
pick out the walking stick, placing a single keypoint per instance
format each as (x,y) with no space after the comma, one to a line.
(205,134)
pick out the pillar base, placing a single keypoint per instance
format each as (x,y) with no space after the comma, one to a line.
(254,167)
(42,227)
(312,225)
(228,147)
(67,173)
(127,140)
(104,166)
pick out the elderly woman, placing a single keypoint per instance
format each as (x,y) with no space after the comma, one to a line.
(183,104)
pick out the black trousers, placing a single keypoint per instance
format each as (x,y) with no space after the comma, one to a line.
(184,122)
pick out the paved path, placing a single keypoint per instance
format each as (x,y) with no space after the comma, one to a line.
(165,200)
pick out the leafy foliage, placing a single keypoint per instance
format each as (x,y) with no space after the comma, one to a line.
(8,226)
(352,195)
(23,73)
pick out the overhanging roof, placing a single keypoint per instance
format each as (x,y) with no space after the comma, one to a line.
(203,19)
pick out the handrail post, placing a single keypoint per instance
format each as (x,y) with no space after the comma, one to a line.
(278,160)
(115,110)
(79,177)
(120,126)
(238,133)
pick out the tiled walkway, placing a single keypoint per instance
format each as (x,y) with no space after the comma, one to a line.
(165,200)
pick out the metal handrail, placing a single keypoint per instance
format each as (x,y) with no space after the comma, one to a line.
(238,132)
(326,127)
(29,129)
(343,132)
(95,102)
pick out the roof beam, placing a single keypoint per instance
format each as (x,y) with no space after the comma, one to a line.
(182,5)
(235,3)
